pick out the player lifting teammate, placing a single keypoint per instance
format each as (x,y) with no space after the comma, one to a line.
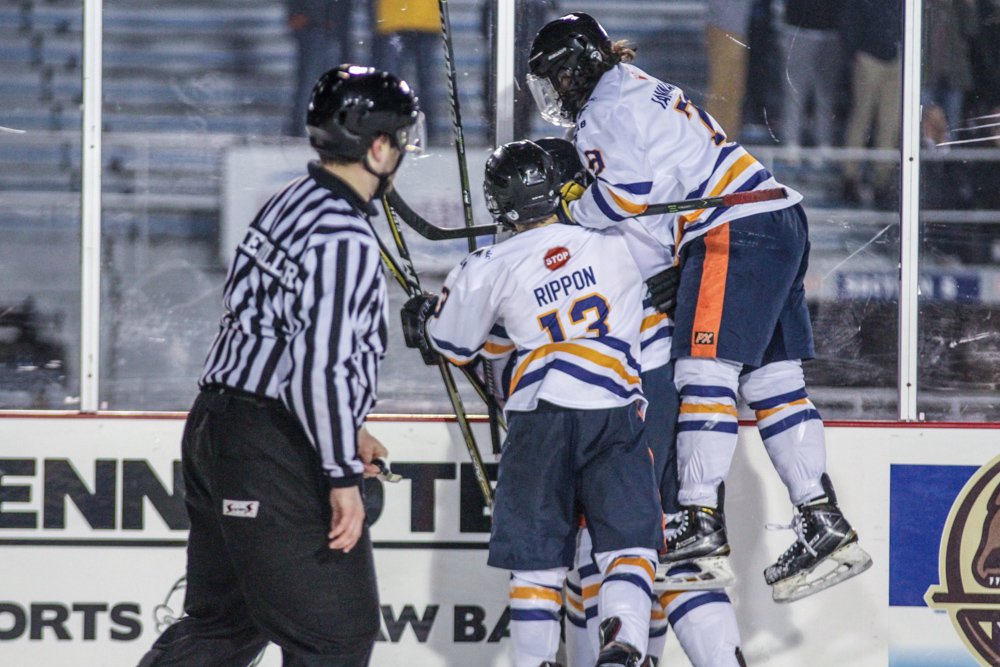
(741,321)
(569,300)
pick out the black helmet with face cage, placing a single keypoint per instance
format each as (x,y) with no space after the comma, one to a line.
(568,58)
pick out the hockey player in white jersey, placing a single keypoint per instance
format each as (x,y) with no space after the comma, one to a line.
(741,321)
(570,300)
(703,621)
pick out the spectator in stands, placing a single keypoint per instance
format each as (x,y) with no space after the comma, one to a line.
(957,185)
(813,69)
(408,33)
(936,183)
(947,69)
(985,177)
(985,57)
(321,29)
(872,33)
(531,16)
(726,41)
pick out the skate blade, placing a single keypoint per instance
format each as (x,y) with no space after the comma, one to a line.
(714,573)
(844,563)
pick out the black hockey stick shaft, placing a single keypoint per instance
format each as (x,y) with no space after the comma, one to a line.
(432,232)
(406,274)
(412,288)
(456,117)
(732,199)
(463,175)
(396,205)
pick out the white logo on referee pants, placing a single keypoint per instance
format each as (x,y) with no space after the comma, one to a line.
(244,508)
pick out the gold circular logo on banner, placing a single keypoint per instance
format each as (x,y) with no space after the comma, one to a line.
(969,565)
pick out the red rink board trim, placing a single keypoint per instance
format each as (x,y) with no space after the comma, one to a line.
(66,414)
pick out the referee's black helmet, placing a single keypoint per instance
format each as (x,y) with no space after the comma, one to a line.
(521,184)
(351,106)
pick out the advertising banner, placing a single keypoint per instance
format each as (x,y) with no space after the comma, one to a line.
(93,530)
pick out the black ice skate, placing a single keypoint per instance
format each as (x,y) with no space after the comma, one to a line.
(697,554)
(615,653)
(826,551)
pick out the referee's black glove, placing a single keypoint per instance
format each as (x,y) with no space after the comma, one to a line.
(663,289)
(414,315)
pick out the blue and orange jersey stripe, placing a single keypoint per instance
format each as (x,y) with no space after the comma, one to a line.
(692,222)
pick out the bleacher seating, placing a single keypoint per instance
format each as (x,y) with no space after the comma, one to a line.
(182,79)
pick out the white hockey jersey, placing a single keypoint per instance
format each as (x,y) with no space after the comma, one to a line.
(646,143)
(567,299)
(657,330)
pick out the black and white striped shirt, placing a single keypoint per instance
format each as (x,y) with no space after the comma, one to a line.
(306,315)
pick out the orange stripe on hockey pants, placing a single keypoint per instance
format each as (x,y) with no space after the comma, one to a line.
(711,294)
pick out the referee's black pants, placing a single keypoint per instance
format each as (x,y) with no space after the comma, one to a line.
(269,577)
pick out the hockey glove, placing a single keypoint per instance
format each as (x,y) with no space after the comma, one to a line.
(414,315)
(570,191)
(663,289)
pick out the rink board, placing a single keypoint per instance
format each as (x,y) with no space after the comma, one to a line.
(92,535)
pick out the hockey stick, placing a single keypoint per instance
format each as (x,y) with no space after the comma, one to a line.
(432,232)
(463,175)
(722,201)
(456,118)
(412,287)
(406,275)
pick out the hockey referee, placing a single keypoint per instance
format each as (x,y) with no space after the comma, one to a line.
(274,448)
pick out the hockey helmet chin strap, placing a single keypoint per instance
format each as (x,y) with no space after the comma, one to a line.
(384,180)
(411,139)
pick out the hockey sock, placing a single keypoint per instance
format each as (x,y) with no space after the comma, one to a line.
(789,425)
(658,627)
(535,604)
(707,427)
(583,584)
(705,625)
(582,587)
(627,592)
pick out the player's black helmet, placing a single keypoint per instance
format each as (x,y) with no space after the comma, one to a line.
(521,184)
(567,161)
(568,58)
(351,106)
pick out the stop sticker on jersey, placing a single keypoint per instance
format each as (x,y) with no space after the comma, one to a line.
(556,258)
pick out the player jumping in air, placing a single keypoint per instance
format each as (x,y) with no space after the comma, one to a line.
(569,300)
(741,321)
